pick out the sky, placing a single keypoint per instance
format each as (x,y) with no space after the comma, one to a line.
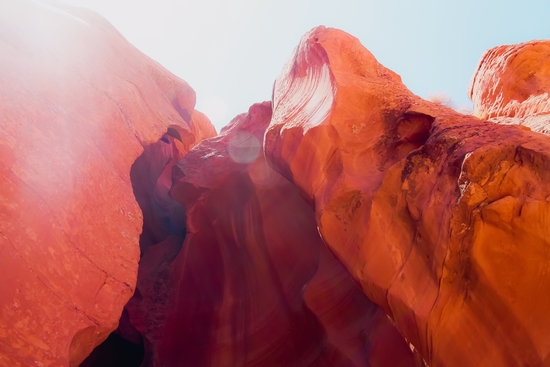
(231,51)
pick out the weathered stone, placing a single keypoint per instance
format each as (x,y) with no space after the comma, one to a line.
(442,218)
(252,284)
(78,102)
(511,85)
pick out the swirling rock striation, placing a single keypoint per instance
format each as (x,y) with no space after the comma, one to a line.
(252,284)
(511,85)
(440,217)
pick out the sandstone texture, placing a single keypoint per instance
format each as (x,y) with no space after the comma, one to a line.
(440,217)
(77,105)
(252,284)
(345,223)
(511,85)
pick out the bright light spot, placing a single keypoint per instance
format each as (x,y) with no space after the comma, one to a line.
(243,147)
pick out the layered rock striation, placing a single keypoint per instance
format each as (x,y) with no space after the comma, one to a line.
(440,217)
(347,222)
(252,284)
(511,85)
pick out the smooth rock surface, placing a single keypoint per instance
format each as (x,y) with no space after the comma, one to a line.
(441,218)
(511,85)
(252,284)
(382,204)
(78,103)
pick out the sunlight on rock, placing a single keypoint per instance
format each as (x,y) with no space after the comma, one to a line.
(243,147)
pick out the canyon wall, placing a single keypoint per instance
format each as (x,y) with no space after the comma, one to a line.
(347,222)
(77,106)
(441,218)
(252,284)
(511,85)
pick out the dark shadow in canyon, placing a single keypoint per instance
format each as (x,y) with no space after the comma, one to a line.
(163,225)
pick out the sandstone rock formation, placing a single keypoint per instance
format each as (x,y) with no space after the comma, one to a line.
(511,85)
(441,218)
(352,224)
(78,103)
(252,284)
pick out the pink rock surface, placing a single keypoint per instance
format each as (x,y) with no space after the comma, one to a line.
(252,284)
(78,102)
(511,85)
(389,220)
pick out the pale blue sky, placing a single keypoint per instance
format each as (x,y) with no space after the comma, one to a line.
(230,52)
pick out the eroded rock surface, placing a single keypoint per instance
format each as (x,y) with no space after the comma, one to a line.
(252,284)
(511,85)
(441,218)
(78,103)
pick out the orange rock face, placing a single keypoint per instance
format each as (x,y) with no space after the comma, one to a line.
(351,225)
(78,103)
(440,217)
(252,284)
(512,83)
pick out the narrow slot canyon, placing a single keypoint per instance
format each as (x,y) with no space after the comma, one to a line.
(248,276)
(343,222)
(163,221)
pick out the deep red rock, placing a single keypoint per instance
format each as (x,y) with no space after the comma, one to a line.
(78,103)
(441,218)
(511,85)
(252,284)
(361,330)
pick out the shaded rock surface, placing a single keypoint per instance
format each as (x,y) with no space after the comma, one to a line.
(389,220)
(78,103)
(511,85)
(441,218)
(252,284)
